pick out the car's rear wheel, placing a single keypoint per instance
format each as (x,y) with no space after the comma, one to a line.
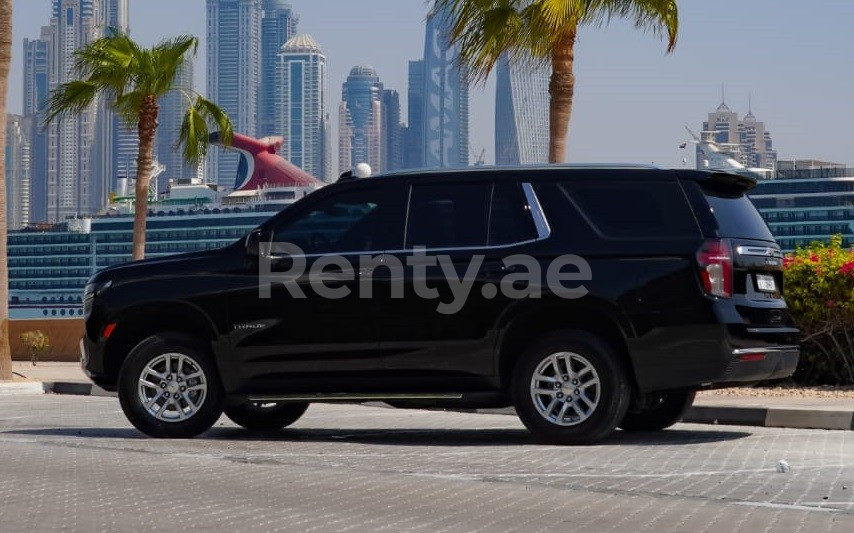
(265,416)
(169,387)
(661,411)
(570,388)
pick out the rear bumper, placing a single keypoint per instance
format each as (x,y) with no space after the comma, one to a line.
(714,355)
(762,363)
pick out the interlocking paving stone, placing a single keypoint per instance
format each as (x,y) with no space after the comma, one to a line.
(75,464)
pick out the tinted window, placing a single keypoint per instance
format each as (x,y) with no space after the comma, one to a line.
(509,216)
(737,217)
(345,222)
(633,209)
(448,215)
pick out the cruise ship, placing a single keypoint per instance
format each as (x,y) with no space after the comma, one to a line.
(49,264)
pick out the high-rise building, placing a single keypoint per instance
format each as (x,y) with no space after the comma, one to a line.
(36,92)
(521,113)
(302,113)
(17,171)
(173,106)
(747,141)
(116,143)
(71,189)
(446,99)
(413,149)
(360,120)
(278,26)
(233,73)
(392,131)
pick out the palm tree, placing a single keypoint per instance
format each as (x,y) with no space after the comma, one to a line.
(544,31)
(5,60)
(132,79)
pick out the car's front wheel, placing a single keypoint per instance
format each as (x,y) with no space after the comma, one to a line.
(264,416)
(570,388)
(169,387)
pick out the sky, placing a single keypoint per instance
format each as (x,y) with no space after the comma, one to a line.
(631,100)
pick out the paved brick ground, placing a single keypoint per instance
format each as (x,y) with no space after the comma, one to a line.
(74,464)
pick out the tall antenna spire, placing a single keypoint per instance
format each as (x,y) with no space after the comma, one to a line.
(750,103)
(723,94)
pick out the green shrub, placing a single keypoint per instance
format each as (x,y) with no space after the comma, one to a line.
(819,285)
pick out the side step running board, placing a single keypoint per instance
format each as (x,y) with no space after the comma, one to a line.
(354,397)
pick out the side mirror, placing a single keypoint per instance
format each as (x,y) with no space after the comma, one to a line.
(253,243)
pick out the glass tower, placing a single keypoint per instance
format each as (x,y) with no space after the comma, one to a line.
(360,120)
(446,99)
(302,115)
(278,26)
(521,113)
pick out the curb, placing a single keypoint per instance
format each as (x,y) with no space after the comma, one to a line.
(21,387)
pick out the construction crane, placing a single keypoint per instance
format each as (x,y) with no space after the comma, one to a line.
(479,159)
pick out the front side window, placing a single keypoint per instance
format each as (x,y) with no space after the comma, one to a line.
(445,215)
(346,222)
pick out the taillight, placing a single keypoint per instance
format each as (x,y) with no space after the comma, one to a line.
(715,261)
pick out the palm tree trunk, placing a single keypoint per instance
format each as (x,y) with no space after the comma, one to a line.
(147,128)
(5,59)
(561,90)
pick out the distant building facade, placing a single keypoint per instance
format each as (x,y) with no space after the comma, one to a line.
(301,111)
(446,99)
(413,144)
(392,131)
(173,106)
(36,92)
(71,189)
(233,73)
(278,26)
(17,171)
(521,113)
(360,120)
(747,141)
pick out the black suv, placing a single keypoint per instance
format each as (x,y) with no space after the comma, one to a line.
(586,297)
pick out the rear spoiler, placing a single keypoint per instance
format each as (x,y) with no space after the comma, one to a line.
(724,182)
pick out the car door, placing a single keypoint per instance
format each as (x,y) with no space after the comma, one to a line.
(440,335)
(302,325)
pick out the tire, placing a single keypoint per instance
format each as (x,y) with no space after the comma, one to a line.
(191,377)
(598,408)
(662,411)
(257,417)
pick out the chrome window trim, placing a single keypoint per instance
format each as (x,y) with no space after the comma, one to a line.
(541,224)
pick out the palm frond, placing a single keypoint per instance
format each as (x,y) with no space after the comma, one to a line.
(195,129)
(70,99)
(167,58)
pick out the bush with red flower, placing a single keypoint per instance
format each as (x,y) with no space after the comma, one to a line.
(819,288)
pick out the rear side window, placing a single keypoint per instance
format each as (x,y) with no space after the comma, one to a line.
(510,219)
(737,217)
(446,215)
(630,210)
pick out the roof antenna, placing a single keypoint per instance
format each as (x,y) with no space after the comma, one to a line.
(750,103)
(723,94)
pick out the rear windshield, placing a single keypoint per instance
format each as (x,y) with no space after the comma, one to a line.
(737,217)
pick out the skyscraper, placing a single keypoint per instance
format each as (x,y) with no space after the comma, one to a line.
(392,131)
(302,113)
(413,150)
(17,171)
(233,73)
(116,144)
(36,91)
(360,120)
(521,113)
(278,26)
(172,109)
(70,187)
(747,141)
(446,99)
